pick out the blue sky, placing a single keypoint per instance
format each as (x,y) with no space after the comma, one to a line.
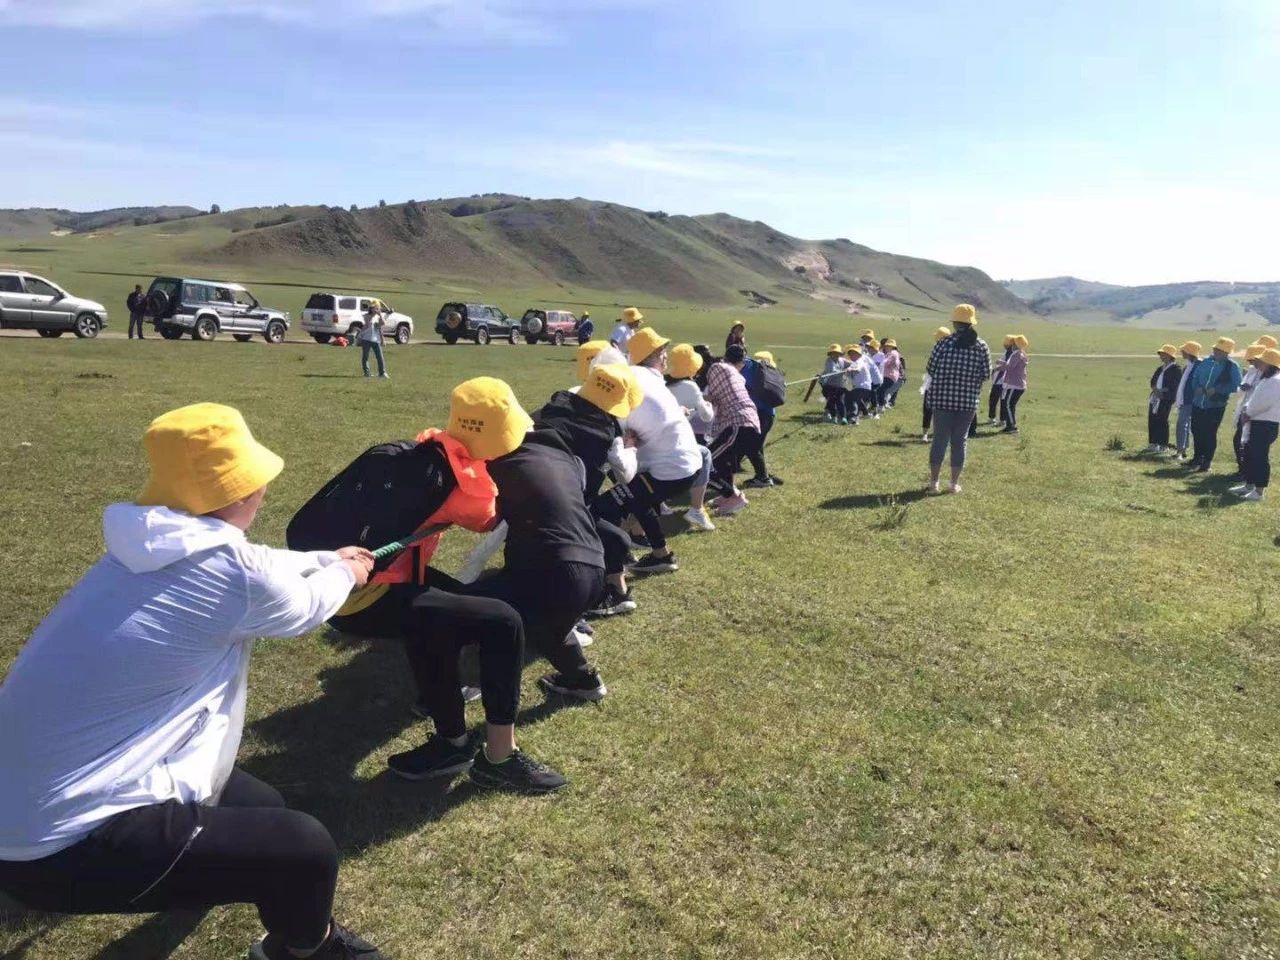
(1133,142)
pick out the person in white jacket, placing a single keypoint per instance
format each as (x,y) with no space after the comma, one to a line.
(1261,419)
(122,715)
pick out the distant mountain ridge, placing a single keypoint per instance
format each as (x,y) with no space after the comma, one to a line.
(1201,304)
(33,222)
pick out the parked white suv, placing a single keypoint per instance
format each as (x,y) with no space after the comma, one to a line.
(342,314)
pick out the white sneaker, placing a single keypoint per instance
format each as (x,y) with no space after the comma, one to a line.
(1151,448)
(875,416)
(924,438)
(1241,488)
(934,488)
(728,506)
(699,519)
(955,488)
(1253,495)
(584,639)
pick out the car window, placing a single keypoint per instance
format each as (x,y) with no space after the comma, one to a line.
(196,293)
(497,314)
(10,283)
(223,295)
(320,301)
(349,303)
(244,298)
(39,288)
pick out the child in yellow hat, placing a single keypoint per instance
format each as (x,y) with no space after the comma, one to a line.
(831,381)
(682,372)
(1252,373)
(1261,418)
(1190,352)
(1164,389)
(123,714)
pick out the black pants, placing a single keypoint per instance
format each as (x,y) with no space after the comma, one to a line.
(135,321)
(859,402)
(888,392)
(617,546)
(1009,407)
(993,400)
(927,420)
(640,498)
(728,448)
(172,856)
(756,457)
(1257,452)
(1204,432)
(835,397)
(1158,423)
(1237,444)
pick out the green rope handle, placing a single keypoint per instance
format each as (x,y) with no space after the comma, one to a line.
(396,546)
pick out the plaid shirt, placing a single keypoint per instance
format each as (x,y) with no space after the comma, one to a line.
(957,373)
(727,392)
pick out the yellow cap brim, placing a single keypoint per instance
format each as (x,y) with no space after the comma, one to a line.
(256,466)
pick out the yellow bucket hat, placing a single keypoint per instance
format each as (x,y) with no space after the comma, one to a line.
(834,348)
(941,333)
(1169,350)
(854,348)
(1272,357)
(1254,351)
(891,343)
(1021,342)
(586,353)
(486,418)
(613,388)
(1225,344)
(631,316)
(204,458)
(868,334)
(965,313)
(1009,338)
(764,356)
(1267,341)
(685,362)
(644,344)
(1192,348)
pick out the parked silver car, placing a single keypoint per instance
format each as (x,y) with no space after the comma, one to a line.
(28,302)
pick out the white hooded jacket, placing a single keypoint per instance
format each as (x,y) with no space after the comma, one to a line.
(131,692)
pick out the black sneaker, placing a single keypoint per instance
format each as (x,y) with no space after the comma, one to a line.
(341,945)
(586,686)
(519,773)
(777,481)
(755,483)
(651,563)
(435,758)
(613,602)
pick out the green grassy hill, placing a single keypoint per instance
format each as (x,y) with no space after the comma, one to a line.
(34,222)
(1200,305)
(563,250)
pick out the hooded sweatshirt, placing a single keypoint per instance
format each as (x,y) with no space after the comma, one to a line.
(131,692)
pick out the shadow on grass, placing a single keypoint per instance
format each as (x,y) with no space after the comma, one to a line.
(1169,473)
(864,501)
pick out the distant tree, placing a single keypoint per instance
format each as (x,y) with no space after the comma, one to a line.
(355,208)
(215,209)
(382,203)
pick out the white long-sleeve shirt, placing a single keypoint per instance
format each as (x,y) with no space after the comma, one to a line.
(1264,400)
(1247,382)
(666,448)
(131,692)
(690,397)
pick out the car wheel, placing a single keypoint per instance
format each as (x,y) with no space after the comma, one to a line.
(50,334)
(482,336)
(450,338)
(171,332)
(531,340)
(320,337)
(87,326)
(402,334)
(557,338)
(275,332)
(206,329)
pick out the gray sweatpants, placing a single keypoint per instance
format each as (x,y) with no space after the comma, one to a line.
(950,427)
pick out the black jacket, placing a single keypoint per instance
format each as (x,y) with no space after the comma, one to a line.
(586,430)
(137,302)
(540,497)
(1172,377)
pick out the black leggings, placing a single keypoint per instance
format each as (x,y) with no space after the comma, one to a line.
(1205,422)
(993,400)
(1158,423)
(1009,407)
(249,848)
(728,449)
(1257,452)
(835,397)
(927,420)
(756,456)
(859,401)
(641,498)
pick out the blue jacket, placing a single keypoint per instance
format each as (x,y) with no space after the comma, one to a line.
(752,374)
(1212,383)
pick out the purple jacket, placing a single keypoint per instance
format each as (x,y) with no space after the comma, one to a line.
(1014,370)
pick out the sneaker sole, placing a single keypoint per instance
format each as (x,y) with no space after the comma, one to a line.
(442,772)
(645,571)
(590,696)
(497,783)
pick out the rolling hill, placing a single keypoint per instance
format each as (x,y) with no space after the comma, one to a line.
(1197,305)
(515,241)
(38,222)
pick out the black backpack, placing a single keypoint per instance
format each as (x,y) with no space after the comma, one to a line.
(384,494)
(773,386)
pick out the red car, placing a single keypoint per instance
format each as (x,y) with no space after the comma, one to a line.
(549,326)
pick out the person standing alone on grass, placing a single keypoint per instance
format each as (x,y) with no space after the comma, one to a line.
(1013,370)
(123,714)
(1164,388)
(1182,401)
(371,340)
(137,306)
(957,369)
(1261,417)
(1211,386)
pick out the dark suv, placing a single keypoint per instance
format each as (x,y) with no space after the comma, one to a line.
(206,308)
(549,326)
(480,322)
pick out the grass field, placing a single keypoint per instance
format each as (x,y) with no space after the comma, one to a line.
(1038,719)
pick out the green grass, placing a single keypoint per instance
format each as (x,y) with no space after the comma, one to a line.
(1034,720)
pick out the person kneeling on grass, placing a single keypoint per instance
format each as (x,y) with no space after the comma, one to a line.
(666,453)
(736,428)
(123,714)
(1261,418)
(553,572)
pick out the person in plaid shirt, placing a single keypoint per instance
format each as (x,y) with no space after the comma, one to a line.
(958,367)
(736,427)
